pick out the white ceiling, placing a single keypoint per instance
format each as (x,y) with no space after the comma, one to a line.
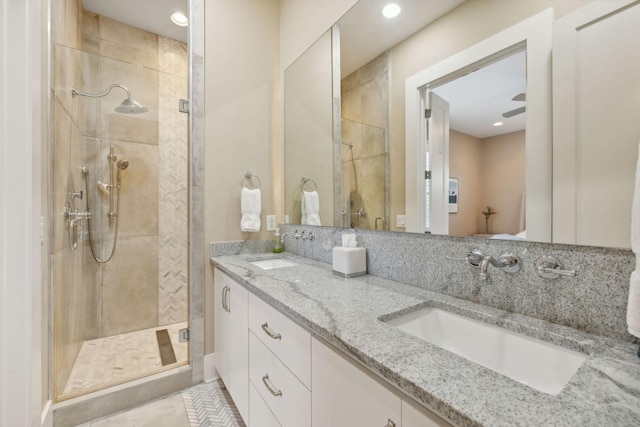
(365,33)
(478,99)
(150,15)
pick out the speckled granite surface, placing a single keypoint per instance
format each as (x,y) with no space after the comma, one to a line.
(595,301)
(345,312)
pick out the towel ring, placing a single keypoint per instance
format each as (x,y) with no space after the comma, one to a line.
(304,180)
(247,180)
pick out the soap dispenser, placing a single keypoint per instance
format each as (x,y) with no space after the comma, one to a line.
(277,242)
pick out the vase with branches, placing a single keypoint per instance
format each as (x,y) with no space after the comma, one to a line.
(487,214)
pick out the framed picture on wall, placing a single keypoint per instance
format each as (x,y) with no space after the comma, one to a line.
(454,194)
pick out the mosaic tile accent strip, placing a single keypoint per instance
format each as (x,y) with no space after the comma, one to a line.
(121,358)
(173,203)
(210,405)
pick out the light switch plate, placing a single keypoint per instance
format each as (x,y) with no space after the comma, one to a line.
(401,221)
(271,223)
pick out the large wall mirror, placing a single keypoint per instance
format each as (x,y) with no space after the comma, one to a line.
(507,168)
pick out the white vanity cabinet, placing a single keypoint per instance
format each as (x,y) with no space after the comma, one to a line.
(232,338)
(259,413)
(344,394)
(279,365)
(279,376)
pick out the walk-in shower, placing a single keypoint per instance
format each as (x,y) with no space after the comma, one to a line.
(119,192)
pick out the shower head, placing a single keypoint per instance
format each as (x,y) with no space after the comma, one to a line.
(128,106)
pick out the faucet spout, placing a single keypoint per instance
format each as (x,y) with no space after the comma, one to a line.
(507,262)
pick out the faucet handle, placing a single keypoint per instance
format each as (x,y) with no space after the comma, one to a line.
(511,263)
(549,267)
(475,257)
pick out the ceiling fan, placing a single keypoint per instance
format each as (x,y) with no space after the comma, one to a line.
(519,97)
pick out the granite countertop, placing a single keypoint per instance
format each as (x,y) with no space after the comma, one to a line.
(346,312)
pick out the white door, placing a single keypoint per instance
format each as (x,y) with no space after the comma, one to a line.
(596,107)
(436,160)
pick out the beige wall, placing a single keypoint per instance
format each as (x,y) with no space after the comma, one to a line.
(242,120)
(308,130)
(463,27)
(490,172)
(503,181)
(465,163)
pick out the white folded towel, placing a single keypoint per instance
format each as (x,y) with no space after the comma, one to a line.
(250,207)
(633,307)
(310,208)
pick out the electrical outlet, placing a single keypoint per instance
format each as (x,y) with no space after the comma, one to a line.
(286,219)
(401,221)
(271,223)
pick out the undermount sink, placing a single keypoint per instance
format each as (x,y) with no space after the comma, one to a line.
(538,364)
(272,263)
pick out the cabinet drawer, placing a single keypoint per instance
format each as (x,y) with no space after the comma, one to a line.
(346,395)
(288,341)
(284,394)
(259,413)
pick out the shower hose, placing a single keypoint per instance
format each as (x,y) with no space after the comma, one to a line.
(85,174)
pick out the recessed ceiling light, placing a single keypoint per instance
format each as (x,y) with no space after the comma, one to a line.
(391,10)
(498,124)
(178,18)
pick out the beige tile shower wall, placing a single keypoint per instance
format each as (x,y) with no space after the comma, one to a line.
(75,277)
(145,284)
(173,157)
(365,124)
(129,287)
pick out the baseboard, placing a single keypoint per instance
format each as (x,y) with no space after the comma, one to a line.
(210,371)
(46,419)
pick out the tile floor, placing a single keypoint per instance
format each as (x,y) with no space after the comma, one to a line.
(121,358)
(203,405)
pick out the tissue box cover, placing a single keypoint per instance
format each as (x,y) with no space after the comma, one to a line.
(349,262)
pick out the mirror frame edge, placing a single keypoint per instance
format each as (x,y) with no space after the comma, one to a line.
(536,33)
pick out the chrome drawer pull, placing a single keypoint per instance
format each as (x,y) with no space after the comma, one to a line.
(270,387)
(274,335)
(390,423)
(224,297)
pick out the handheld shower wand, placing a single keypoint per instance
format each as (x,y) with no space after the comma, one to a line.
(114,192)
(120,165)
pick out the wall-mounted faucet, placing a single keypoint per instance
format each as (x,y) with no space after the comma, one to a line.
(509,263)
(298,235)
